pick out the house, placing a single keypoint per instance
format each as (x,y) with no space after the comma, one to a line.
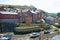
(49,19)
(8,16)
(39,17)
(36,16)
(24,15)
(11,16)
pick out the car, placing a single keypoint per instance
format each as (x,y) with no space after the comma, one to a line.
(33,35)
(6,37)
(46,31)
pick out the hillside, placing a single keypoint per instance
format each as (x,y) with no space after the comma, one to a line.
(25,6)
(14,6)
(53,14)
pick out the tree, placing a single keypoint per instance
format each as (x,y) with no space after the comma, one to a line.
(11,7)
(32,7)
(53,14)
(58,14)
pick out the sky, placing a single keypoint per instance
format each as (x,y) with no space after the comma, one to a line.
(51,6)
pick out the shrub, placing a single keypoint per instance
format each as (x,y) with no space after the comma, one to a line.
(46,26)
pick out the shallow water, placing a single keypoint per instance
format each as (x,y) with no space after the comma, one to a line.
(56,37)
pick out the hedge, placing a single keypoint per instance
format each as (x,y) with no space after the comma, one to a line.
(26,30)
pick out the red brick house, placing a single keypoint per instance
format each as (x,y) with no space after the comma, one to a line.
(24,15)
(8,16)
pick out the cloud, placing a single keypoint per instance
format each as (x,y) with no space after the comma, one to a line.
(4,1)
(49,5)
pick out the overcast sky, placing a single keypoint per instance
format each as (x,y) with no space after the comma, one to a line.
(46,5)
